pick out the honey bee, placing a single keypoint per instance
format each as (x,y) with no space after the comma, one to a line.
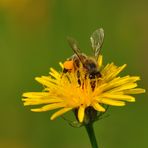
(88,63)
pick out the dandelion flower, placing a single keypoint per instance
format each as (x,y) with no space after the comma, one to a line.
(63,92)
(68,91)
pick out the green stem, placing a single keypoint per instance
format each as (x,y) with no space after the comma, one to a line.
(91,134)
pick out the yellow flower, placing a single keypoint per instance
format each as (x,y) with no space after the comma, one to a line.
(62,91)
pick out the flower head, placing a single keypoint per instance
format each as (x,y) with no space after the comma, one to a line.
(68,91)
(84,85)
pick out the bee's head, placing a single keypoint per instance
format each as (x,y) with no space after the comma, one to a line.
(91,67)
(89,64)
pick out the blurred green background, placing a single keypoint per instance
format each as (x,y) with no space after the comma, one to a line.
(33,38)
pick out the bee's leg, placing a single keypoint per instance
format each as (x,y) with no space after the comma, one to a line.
(64,72)
(78,76)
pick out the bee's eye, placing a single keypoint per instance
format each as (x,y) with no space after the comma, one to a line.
(95,75)
(68,65)
(92,76)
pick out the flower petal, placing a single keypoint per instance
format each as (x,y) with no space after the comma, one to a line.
(48,107)
(81,112)
(112,102)
(60,112)
(35,94)
(124,87)
(35,101)
(135,91)
(118,97)
(98,107)
(100,59)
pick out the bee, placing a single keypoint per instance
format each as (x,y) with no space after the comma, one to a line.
(89,63)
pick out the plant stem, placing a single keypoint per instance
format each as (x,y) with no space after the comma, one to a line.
(91,134)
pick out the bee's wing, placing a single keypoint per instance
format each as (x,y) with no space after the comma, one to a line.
(97,41)
(74,45)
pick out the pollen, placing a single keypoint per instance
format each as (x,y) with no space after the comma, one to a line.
(65,93)
(68,65)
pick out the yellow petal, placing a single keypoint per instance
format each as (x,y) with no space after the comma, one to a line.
(61,64)
(81,112)
(49,79)
(60,112)
(124,87)
(43,81)
(48,107)
(111,71)
(119,70)
(54,73)
(122,81)
(35,94)
(135,91)
(107,68)
(98,107)
(34,101)
(100,59)
(118,97)
(112,102)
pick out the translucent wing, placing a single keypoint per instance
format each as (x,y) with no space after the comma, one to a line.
(74,45)
(97,41)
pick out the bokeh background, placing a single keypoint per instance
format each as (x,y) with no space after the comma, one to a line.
(33,38)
